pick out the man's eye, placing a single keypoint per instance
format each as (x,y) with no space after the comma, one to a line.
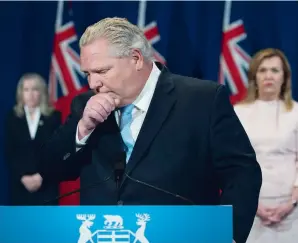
(103,71)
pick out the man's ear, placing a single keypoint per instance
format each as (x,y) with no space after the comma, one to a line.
(137,59)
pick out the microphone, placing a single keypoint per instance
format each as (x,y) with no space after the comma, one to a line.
(119,171)
(119,167)
(161,190)
(77,190)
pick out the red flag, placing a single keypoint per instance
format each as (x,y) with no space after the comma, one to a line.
(66,79)
(234,61)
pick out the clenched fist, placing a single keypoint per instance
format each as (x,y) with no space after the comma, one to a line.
(97,110)
(32,182)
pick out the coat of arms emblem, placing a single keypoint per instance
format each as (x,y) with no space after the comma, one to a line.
(113,229)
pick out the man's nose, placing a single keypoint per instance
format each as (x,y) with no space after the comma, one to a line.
(94,84)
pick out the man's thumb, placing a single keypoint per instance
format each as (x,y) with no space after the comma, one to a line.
(117,101)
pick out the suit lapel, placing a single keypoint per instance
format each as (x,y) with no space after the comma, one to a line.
(26,127)
(161,104)
(40,127)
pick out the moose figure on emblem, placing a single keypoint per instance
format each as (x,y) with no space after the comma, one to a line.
(140,233)
(85,233)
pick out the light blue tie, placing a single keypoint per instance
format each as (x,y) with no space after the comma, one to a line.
(125,123)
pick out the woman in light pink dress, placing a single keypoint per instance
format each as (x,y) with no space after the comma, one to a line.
(270,118)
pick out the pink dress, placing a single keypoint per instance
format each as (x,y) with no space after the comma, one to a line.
(273,133)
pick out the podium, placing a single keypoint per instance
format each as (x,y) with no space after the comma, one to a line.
(116,224)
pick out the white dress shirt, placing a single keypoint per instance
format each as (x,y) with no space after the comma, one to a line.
(139,112)
(32,123)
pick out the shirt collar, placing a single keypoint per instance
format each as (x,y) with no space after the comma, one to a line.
(142,102)
(36,110)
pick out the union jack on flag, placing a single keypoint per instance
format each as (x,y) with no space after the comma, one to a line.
(66,79)
(150,31)
(234,61)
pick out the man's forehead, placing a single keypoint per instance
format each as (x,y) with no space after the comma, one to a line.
(94,60)
(96,46)
(91,54)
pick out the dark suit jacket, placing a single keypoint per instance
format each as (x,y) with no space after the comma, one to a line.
(21,160)
(191,143)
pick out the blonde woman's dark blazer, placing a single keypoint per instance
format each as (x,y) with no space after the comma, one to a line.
(20,156)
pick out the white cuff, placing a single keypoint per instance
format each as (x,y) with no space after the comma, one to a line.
(82,142)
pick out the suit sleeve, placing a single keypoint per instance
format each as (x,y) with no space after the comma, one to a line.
(236,166)
(58,157)
(57,120)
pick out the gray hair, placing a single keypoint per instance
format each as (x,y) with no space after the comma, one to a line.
(121,34)
(45,106)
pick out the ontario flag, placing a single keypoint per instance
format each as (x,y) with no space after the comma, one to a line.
(66,80)
(150,31)
(234,61)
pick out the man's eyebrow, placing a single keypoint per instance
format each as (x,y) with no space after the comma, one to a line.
(98,69)
(102,68)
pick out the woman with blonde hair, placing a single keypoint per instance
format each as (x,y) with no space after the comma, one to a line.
(28,125)
(270,118)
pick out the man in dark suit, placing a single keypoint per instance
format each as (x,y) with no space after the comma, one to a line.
(179,135)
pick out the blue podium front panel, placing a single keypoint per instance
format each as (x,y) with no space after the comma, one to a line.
(116,224)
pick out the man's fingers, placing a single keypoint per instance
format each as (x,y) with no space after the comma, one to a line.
(97,110)
(112,98)
(104,106)
(97,116)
